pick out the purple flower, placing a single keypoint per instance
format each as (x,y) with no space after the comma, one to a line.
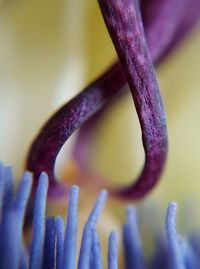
(143,34)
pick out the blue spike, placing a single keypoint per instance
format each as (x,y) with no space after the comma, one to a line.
(1,187)
(131,240)
(7,179)
(10,242)
(69,255)
(59,225)
(49,245)
(19,205)
(174,250)
(23,194)
(160,257)
(194,241)
(37,243)
(86,244)
(191,260)
(112,252)
(96,262)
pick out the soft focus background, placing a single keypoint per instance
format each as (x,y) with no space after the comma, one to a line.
(50,50)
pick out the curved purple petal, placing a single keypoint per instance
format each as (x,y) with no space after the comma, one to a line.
(45,148)
(166,23)
(124,24)
(70,117)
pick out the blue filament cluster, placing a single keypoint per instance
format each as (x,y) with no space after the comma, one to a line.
(53,244)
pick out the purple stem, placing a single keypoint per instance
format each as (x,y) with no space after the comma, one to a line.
(190,17)
(162,20)
(70,117)
(166,23)
(124,23)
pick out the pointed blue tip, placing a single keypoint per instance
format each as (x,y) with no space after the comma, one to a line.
(86,244)
(95,262)
(174,250)
(69,256)
(112,251)
(131,240)
(37,243)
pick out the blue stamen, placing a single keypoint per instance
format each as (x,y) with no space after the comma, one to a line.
(52,247)
(59,225)
(190,258)
(37,243)
(71,230)
(160,257)
(10,240)
(175,254)
(49,245)
(86,244)
(7,195)
(23,194)
(131,239)
(112,252)
(96,261)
